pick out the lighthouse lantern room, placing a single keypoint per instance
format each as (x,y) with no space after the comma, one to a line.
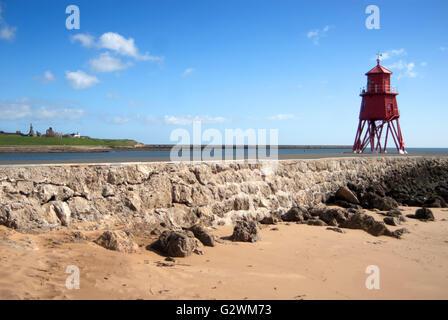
(378,117)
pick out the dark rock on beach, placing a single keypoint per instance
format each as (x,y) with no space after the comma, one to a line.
(316,222)
(367,223)
(117,240)
(374,201)
(336,229)
(350,219)
(269,220)
(331,216)
(346,195)
(296,214)
(392,221)
(424,214)
(394,213)
(345,204)
(203,235)
(435,202)
(246,231)
(176,243)
(399,232)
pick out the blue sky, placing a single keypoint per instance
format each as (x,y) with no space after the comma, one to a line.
(140,69)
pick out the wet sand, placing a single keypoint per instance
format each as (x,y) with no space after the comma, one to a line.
(294,262)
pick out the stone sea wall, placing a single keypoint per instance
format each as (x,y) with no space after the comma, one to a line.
(46,197)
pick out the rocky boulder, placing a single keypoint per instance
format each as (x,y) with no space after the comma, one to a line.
(117,240)
(335,229)
(296,214)
(316,222)
(366,223)
(435,202)
(22,215)
(374,201)
(345,194)
(63,212)
(246,231)
(392,221)
(399,232)
(394,213)
(203,235)
(331,216)
(176,243)
(424,214)
(269,220)
(345,204)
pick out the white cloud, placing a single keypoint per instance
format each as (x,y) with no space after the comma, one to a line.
(150,119)
(25,108)
(424,64)
(125,47)
(398,52)
(106,63)
(281,116)
(136,103)
(391,53)
(58,113)
(49,76)
(404,69)
(443,48)
(120,120)
(6,32)
(180,121)
(188,71)
(46,77)
(13,111)
(112,95)
(312,34)
(80,80)
(316,35)
(116,45)
(147,119)
(86,40)
(188,120)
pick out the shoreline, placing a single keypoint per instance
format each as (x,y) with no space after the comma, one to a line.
(153,147)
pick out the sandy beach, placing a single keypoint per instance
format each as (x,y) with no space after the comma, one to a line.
(294,262)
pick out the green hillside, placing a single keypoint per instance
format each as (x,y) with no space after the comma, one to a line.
(16,140)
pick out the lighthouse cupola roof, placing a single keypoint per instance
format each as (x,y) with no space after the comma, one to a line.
(379,68)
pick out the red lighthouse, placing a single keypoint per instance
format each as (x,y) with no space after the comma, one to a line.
(379,112)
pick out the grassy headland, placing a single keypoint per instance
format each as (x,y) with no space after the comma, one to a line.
(17,140)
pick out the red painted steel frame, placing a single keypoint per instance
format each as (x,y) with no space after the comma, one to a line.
(379,111)
(373,135)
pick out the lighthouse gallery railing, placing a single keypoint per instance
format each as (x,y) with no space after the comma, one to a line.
(379,88)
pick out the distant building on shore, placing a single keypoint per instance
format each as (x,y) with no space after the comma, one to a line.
(49,133)
(31,133)
(52,134)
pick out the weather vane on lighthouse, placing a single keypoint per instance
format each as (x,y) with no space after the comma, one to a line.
(379,112)
(378,57)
